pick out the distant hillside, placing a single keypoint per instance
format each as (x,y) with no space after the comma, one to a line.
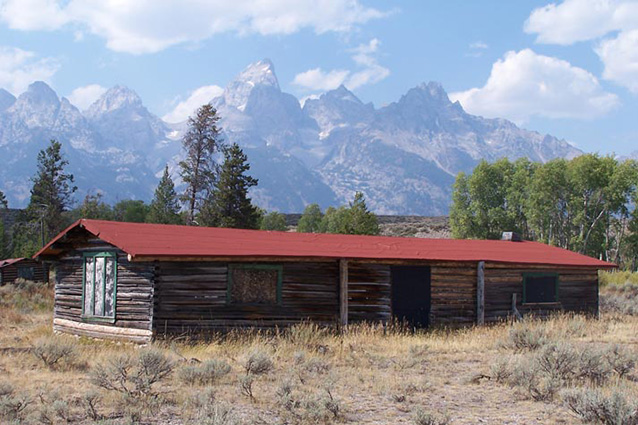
(403,225)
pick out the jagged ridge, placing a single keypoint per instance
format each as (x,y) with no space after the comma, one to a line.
(403,156)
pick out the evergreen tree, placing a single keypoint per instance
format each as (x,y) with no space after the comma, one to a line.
(361,220)
(198,169)
(94,208)
(274,221)
(228,204)
(52,191)
(4,243)
(310,221)
(165,206)
(131,211)
(353,220)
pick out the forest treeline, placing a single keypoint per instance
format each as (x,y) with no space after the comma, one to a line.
(215,193)
(585,204)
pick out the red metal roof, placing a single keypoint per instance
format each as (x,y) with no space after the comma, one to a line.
(9,261)
(141,240)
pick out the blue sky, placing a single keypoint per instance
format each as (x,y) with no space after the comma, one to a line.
(568,68)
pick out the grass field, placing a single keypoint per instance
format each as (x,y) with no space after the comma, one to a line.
(565,370)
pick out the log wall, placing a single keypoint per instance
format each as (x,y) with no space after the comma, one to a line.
(453,289)
(134,292)
(578,290)
(369,297)
(192,297)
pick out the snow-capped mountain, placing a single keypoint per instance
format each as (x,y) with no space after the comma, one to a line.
(403,156)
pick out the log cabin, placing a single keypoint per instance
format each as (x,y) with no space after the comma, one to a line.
(136,281)
(25,268)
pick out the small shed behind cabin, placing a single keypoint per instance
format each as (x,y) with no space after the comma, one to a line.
(25,268)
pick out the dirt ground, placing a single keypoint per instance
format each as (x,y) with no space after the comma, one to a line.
(374,376)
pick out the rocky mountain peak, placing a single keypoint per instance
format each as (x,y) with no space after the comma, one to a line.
(343,94)
(36,107)
(39,93)
(259,74)
(117,97)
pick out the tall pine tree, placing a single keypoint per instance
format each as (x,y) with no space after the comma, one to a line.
(4,243)
(362,220)
(228,204)
(198,169)
(52,191)
(165,206)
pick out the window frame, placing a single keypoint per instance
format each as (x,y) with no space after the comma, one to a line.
(94,255)
(529,275)
(254,266)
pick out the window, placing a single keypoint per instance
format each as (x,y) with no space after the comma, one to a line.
(27,273)
(254,284)
(100,276)
(540,288)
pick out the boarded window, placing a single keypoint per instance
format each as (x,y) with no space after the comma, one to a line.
(540,288)
(27,273)
(254,284)
(100,274)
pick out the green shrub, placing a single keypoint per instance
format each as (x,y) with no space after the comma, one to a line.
(12,405)
(26,296)
(135,379)
(620,299)
(206,373)
(422,417)
(204,409)
(53,351)
(527,374)
(258,363)
(593,406)
(621,360)
(525,337)
(246,385)
(617,278)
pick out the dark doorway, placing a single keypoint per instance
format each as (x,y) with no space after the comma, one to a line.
(411,294)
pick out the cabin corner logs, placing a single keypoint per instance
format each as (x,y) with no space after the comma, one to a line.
(173,297)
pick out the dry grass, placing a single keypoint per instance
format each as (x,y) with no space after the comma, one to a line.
(309,375)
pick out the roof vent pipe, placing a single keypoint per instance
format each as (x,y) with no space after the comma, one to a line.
(511,236)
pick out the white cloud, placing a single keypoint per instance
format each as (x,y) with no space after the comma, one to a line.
(580,20)
(32,14)
(83,97)
(477,49)
(479,45)
(197,98)
(369,72)
(525,84)
(620,56)
(146,26)
(317,79)
(19,68)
